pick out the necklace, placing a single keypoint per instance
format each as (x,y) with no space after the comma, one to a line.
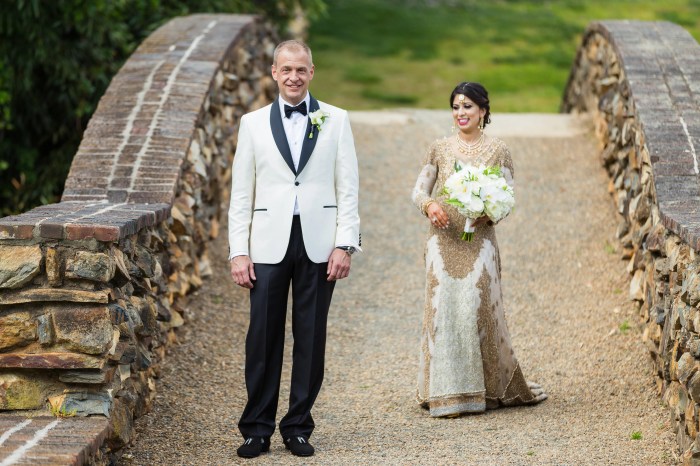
(473,148)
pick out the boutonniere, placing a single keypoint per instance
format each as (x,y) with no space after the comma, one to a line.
(318,118)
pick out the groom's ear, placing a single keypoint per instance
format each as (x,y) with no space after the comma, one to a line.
(273,70)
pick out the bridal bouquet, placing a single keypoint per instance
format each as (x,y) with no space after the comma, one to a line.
(478,191)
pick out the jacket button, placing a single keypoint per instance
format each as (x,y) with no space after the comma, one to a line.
(296,183)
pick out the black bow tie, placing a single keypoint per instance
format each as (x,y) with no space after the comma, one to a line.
(288,110)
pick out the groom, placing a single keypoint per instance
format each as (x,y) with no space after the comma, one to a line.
(293,220)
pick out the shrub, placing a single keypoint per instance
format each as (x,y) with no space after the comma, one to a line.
(56,60)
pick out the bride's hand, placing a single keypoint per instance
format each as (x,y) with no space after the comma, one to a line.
(437,216)
(481,220)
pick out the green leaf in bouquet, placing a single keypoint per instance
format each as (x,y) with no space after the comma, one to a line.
(495,170)
(454,202)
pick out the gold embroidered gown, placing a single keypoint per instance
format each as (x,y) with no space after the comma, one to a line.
(467,363)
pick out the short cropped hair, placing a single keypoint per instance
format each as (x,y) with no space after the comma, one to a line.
(295,45)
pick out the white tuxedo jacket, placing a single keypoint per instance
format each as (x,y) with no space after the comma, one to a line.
(265,184)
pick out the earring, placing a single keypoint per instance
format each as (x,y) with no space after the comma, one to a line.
(452,128)
(481,125)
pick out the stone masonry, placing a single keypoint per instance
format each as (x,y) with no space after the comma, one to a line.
(641,82)
(92,288)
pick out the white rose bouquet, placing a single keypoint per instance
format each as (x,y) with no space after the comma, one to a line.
(478,191)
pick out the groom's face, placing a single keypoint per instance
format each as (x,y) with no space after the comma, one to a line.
(293,73)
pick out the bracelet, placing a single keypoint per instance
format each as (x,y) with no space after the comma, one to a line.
(424,210)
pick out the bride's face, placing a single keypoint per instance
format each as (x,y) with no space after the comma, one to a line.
(466,113)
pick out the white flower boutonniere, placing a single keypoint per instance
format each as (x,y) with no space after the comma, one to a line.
(318,118)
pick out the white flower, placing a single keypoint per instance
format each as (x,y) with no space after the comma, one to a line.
(498,199)
(455,184)
(318,118)
(473,204)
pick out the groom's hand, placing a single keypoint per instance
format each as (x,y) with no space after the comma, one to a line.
(242,271)
(338,265)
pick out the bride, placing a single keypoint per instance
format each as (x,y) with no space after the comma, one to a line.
(467,364)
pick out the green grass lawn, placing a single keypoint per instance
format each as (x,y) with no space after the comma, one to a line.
(390,53)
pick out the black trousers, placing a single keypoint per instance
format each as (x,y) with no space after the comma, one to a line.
(311,298)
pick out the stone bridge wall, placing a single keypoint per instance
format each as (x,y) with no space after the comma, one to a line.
(91,288)
(641,82)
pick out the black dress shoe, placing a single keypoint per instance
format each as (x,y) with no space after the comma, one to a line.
(299,446)
(253,446)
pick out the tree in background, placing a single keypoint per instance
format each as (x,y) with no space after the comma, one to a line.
(56,60)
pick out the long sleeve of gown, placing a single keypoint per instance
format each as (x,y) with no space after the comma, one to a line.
(506,163)
(425,183)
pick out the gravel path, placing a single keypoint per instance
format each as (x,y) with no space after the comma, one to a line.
(566,294)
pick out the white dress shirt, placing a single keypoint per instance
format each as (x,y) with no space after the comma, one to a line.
(295,130)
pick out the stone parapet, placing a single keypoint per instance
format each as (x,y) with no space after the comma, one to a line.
(79,220)
(641,82)
(92,288)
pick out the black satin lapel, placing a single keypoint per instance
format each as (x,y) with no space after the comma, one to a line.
(279,135)
(307,147)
